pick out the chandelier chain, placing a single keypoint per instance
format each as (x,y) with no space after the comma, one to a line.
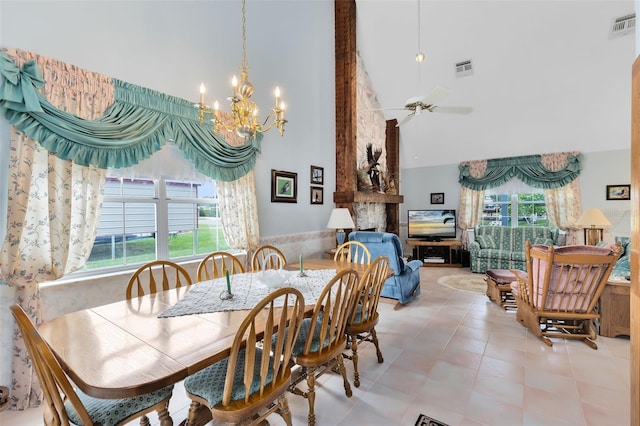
(244,65)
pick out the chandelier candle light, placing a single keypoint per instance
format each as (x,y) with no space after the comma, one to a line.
(244,112)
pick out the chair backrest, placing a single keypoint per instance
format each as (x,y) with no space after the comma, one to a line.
(369,289)
(382,244)
(277,346)
(159,275)
(216,264)
(353,252)
(55,384)
(568,278)
(268,256)
(332,312)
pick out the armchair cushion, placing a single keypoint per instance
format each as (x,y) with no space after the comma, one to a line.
(404,285)
(486,242)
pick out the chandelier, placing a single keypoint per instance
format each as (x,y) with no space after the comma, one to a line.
(244,112)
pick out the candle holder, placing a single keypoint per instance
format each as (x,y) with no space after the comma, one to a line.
(224,295)
(302,274)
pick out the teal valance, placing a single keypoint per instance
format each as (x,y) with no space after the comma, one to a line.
(529,169)
(139,123)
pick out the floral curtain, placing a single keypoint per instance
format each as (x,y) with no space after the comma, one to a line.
(564,205)
(53,207)
(469,212)
(239,209)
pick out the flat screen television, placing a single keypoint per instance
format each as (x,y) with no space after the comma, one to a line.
(432,225)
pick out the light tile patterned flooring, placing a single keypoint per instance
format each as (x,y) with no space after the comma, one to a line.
(459,358)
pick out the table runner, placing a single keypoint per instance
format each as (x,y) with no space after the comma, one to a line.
(204,297)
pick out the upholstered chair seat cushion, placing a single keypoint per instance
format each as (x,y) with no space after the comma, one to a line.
(209,382)
(108,412)
(303,335)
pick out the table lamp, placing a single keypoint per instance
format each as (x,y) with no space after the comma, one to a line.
(593,221)
(339,220)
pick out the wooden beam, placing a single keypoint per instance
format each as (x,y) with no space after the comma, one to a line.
(635,240)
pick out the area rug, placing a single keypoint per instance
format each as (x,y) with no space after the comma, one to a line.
(428,421)
(473,284)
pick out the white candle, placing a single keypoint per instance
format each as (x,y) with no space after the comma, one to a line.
(202,90)
(277,96)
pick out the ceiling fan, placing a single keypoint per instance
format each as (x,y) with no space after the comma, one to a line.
(427,102)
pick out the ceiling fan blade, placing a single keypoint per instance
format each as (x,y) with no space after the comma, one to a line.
(406,119)
(452,109)
(435,95)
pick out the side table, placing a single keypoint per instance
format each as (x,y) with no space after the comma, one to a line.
(615,309)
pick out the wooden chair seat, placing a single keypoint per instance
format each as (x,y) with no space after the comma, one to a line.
(353,252)
(557,297)
(362,323)
(267,257)
(64,404)
(252,382)
(322,338)
(159,275)
(216,264)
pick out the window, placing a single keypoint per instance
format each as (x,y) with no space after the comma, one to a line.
(143,220)
(514,210)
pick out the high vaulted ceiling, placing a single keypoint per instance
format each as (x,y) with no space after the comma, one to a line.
(547,75)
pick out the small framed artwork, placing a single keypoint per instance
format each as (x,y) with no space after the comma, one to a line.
(284,187)
(437,198)
(317,195)
(618,192)
(317,175)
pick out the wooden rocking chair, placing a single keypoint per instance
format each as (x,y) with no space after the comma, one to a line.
(558,296)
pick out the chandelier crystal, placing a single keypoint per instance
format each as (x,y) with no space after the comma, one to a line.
(244,112)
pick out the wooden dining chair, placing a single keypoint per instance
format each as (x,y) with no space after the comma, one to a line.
(216,264)
(322,337)
(269,256)
(252,382)
(364,317)
(64,404)
(353,252)
(159,275)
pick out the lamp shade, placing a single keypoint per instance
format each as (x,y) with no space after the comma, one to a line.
(593,218)
(340,219)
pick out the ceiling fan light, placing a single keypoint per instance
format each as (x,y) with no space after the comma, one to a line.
(420,57)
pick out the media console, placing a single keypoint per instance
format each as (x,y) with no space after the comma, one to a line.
(437,253)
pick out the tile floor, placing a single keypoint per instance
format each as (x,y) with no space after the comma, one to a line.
(459,358)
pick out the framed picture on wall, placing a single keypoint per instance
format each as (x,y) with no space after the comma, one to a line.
(284,187)
(317,175)
(317,195)
(618,192)
(437,198)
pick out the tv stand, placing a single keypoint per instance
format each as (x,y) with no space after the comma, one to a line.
(446,253)
(432,239)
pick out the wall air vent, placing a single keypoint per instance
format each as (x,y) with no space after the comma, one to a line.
(464,68)
(623,25)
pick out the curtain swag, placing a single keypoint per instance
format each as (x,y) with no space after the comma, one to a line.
(529,169)
(138,123)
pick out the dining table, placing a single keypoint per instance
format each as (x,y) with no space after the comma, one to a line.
(128,348)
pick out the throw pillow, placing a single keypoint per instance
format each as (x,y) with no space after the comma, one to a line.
(543,241)
(486,241)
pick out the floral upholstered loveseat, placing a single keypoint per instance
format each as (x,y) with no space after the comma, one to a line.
(502,247)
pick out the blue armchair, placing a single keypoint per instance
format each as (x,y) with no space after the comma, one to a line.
(404,285)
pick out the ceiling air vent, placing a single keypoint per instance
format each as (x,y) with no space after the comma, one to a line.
(623,25)
(464,68)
